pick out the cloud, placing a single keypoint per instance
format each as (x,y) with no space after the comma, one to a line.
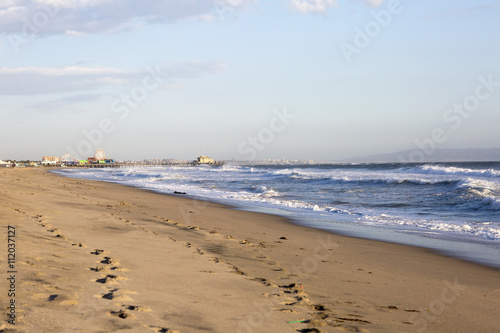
(461,11)
(50,106)
(62,71)
(321,6)
(223,7)
(51,80)
(72,17)
(313,6)
(75,33)
(47,80)
(374,3)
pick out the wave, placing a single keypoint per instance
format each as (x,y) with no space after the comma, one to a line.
(491,203)
(479,185)
(358,177)
(485,230)
(284,172)
(486,191)
(265,192)
(396,180)
(381,180)
(449,170)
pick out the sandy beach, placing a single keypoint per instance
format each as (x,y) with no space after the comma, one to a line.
(101,257)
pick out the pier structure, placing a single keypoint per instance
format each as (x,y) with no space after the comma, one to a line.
(135,164)
(100,161)
(125,164)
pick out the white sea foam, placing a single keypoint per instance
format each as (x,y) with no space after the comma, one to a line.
(366,177)
(481,229)
(479,184)
(487,191)
(440,170)
(492,203)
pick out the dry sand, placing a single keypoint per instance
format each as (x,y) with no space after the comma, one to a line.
(100,257)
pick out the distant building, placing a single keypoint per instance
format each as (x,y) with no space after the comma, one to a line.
(205,160)
(50,160)
(4,164)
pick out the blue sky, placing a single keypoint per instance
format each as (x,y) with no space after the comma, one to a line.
(247,79)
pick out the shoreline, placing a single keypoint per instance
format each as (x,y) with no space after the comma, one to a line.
(392,235)
(431,247)
(295,273)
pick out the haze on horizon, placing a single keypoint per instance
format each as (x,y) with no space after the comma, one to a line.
(247,79)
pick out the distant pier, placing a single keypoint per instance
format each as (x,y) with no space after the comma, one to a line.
(136,164)
(100,161)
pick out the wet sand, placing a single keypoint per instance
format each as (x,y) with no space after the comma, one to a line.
(101,257)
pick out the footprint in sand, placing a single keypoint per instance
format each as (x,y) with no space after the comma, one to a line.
(237,271)
(56,299)
(122,314)
(114,294)
(109,261)
(214,259)
(138,308)
(264,282)
(97,268)
(285,310)
(110,295)
(110,278)
(158,329)
(117,295)
(57,233)
(125,312)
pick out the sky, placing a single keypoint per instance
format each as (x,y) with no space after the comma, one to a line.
(247,79)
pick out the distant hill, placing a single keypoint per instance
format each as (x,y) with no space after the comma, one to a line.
(438,155)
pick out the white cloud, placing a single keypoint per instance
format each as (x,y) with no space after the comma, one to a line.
(313,6)
(64,102)
(48,80)
(75,33)
(77,17)
(321,6)
(52,80)
(62,71)
(374,3)
(229,6)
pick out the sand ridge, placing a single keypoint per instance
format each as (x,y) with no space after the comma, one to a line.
(99,257)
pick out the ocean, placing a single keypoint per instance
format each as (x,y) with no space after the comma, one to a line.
(453,208)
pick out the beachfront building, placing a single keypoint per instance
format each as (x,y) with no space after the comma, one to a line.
(205,160)
(4,164)
(50,160)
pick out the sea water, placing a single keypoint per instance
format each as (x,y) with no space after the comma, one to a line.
(450,207)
